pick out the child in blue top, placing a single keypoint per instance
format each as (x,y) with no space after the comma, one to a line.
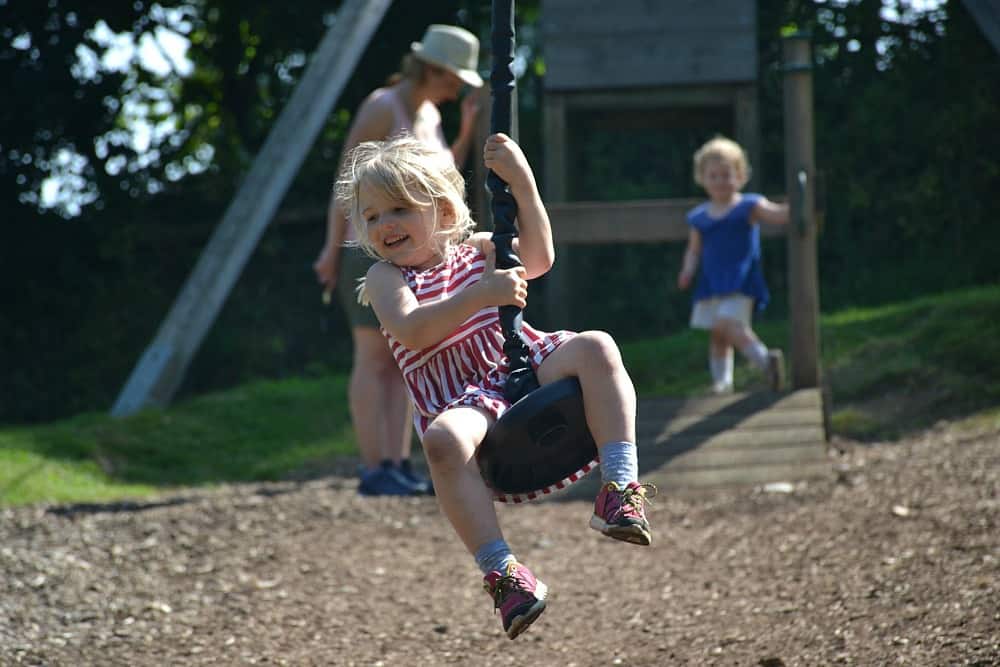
(725,238)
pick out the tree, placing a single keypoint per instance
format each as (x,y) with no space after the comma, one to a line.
(113,172)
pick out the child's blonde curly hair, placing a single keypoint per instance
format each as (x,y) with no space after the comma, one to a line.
(409,171)
(726,150)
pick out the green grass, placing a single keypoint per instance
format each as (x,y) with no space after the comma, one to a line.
(259,431)
(891,370)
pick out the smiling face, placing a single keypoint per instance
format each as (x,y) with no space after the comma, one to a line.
(721,179)
(405,200)
(401,231)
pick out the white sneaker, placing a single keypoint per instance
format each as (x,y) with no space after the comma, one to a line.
(722,388)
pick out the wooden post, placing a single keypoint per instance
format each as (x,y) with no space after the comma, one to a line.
(479,194)
(800,180)
(159,372)
(557,289)
(747,130)
(986,14)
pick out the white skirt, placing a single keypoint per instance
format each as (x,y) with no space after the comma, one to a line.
(735,306)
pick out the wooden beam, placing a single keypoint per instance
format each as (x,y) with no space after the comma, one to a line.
(693,95)
(800,183)
(478,193)
(744,476)
(746,122)
(736,403)
(640,221)
(765,420)
(593,44)
(743,439)
(643,221)
(162,367)
(807,451)
(557,294)
(986,14)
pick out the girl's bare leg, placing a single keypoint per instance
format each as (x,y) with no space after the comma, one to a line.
(720,340)
(372,376)
(734,333)
(720,359)
(609,402)
(608,393)
(398,415)
(450,447)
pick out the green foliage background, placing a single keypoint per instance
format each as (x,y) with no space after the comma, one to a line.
(905,143)
(906,140)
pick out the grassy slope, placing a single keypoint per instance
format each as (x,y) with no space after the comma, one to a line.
(891,370)
(257,431)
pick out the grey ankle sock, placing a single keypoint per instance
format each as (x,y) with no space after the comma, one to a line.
(619,463)
(494,556)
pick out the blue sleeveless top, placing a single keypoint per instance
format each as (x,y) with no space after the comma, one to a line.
(730,253)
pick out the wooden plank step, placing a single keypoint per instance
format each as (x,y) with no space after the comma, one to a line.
(727,440)
(741,403)
(677,461)
(636,221)
(667,478)
(769,419)
(737,438)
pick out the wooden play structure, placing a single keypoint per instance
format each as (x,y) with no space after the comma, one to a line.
(633,61)
(621,58)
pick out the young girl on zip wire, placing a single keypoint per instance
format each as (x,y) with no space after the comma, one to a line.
(436,291)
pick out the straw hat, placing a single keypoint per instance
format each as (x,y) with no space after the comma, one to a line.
(453,48)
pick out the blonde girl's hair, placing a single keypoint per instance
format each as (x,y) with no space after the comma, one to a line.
(726,150)
(406,170)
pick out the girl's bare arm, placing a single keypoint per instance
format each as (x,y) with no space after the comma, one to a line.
(691,256)
(534,242)
(418,326)
(770,212)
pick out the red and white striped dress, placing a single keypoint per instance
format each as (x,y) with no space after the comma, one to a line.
(469,366)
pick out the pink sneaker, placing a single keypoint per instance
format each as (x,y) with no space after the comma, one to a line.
(518,595)
(621,513)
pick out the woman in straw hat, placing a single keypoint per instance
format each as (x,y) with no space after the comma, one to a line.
(432,73)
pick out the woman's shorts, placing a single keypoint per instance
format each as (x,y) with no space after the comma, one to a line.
(354,264)
(707,312)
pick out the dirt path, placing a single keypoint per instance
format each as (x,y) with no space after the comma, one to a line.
(896,561)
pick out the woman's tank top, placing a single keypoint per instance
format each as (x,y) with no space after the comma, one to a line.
(426,122)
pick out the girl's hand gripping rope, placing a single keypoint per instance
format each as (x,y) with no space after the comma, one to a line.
(502,287)
(506,159)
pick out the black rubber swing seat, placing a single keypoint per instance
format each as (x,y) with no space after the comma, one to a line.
(539,441)
(542,439)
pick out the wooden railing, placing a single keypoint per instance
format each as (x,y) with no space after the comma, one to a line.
(638,221)
(642,221)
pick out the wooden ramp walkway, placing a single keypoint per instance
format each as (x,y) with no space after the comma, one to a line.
(748,438)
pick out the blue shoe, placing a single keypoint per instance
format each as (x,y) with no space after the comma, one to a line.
(384,481)
(416,480)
